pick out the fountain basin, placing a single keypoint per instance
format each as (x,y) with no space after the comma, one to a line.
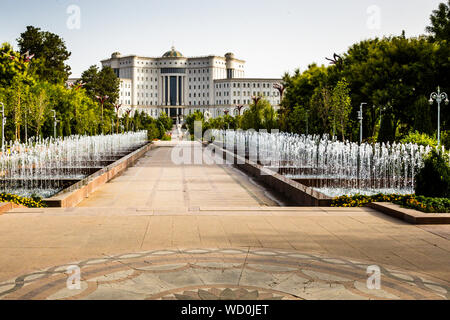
(298,193)
(74,194)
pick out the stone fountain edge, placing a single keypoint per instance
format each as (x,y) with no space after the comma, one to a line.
(300,194)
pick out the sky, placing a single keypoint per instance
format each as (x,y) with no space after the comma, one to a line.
(273,37)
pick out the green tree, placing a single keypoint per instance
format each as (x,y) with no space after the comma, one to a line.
(260,115)
(341,105)
(39,106)
(422,116)
(297,120)
(102,83)
(50,53)
(440,23)
(12,66)
(192,118)
(386,133)
(392,71)
(166,121)
(320,105)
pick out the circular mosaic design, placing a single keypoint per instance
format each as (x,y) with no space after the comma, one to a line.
(220,274)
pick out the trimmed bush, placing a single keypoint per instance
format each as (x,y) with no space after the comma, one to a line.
(433,180)
(420,139)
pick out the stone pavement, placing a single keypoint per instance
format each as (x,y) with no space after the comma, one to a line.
(162,231)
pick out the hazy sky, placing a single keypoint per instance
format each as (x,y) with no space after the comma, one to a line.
(272,36)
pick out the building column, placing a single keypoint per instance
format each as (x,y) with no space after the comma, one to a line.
(177,102)
(168,91)
(161,97)
(183,90)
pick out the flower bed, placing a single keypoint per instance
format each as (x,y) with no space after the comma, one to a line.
(420,203)
(27,202)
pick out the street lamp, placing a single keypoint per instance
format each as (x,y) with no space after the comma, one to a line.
(54,123)
(3,126)
(117,106)
(439,97)
(361,118)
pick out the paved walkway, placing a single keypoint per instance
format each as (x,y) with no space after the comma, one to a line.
(162,231)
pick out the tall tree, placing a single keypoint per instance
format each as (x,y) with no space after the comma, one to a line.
(50,52)
(321,108)
(39,107)
(341,105)
(102,83)
(11,65)
(440,23)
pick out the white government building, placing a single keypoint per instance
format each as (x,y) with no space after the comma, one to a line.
(179,85)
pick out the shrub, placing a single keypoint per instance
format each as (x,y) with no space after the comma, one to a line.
(166,137)
(445,139)
(166,121)
(34,202)
(433,180)
(420,139)
(153,131)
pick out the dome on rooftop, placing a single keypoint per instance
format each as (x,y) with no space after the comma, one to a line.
(172,54)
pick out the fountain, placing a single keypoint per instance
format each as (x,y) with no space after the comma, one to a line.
(43,167)
(331,167)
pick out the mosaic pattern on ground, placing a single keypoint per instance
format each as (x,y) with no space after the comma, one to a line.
(221,274)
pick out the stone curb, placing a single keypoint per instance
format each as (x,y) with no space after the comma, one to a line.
(8,206)
(410,215)
(73,195)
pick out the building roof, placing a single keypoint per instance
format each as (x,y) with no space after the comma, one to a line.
(173,54)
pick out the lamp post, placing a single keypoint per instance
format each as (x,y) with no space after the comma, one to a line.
(361,118)
(3,126)
(117,106)
(54,123)
(439,97)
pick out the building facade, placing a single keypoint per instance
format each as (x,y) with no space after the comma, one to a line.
(180,86)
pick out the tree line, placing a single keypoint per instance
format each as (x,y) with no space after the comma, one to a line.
(393,75)
(35,92)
